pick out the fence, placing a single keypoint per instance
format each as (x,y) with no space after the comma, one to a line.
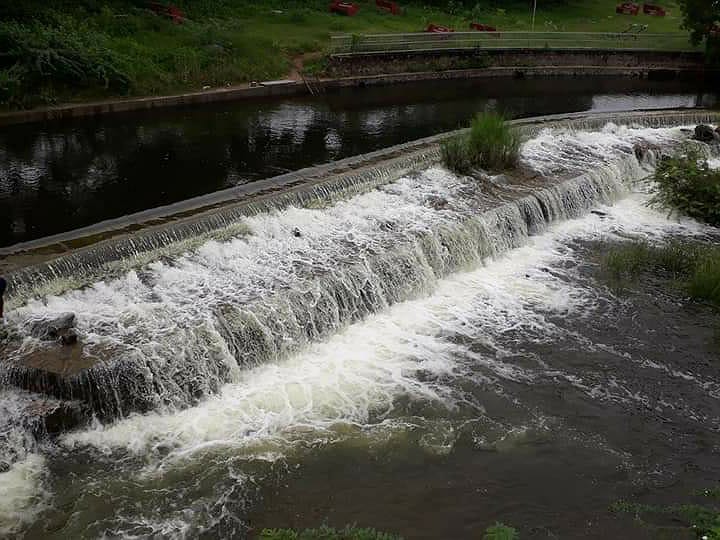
(387,43)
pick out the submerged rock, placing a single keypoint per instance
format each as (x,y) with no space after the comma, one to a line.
(51,329)
(53,417)
(705,133)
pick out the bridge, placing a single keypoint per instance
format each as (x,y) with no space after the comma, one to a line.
(348,45)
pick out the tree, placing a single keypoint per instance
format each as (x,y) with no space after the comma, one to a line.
(702,18)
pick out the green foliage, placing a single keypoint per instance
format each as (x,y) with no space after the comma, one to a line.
(455,155)
(633,258)
(67,53)
(489,144)
(703,521)
(86,49)
(699,16)
(686,184)
(500,532)
(327,533)
(695,265)
(704,282)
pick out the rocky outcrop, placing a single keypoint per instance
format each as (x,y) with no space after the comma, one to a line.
(52,329)
(705,133)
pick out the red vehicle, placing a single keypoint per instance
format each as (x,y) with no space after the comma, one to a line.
(344,8)
(438,29)
(652,9)
(387,5)
(627,8)
(171,12)
(482,27)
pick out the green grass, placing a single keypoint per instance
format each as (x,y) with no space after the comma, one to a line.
(84,49)
(703,521)
(695,267)
(490,144)
(500,532)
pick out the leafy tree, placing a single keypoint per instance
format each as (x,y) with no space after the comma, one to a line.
(701,17)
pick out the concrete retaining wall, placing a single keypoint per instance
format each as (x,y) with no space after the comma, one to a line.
(633,61)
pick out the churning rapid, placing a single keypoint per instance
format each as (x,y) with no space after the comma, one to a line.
(435,314)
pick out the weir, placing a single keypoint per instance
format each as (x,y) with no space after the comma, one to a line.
(178,309)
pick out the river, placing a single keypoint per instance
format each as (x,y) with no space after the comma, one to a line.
(62,176)
(419,359)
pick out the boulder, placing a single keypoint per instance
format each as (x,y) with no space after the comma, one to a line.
(705,133)
(51,417)
(52,329)
(69,337)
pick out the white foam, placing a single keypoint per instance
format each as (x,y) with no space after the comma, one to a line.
(354,378)
(23,495)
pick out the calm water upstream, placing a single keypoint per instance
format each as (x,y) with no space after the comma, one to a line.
(422,368)
(58,177)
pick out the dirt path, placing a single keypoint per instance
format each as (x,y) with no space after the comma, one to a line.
(299,61)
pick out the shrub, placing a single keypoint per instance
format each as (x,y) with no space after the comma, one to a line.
(38,56)
(686,184)
(489,144)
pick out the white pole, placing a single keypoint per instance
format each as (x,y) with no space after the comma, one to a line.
(533,17)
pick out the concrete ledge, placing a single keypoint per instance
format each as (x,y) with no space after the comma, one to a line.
(69,111)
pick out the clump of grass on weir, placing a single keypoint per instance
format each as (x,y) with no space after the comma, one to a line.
(490,144)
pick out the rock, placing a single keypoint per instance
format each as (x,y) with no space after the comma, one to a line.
(705,133)
(53,417)
(437,202)
(70,337)
(51,329)
(4,467)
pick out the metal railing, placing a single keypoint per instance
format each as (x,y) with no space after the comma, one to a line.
(426,41)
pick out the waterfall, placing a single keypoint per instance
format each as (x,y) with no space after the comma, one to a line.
(168,316)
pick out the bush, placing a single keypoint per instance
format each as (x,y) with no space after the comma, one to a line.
(686,184)
(38,58)
(490,144)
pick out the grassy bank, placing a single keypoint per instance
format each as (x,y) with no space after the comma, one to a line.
(84,49)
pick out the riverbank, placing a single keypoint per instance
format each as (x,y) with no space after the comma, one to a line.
(123,50)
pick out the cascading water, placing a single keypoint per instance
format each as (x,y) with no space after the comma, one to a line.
(175,330)
(270,307)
